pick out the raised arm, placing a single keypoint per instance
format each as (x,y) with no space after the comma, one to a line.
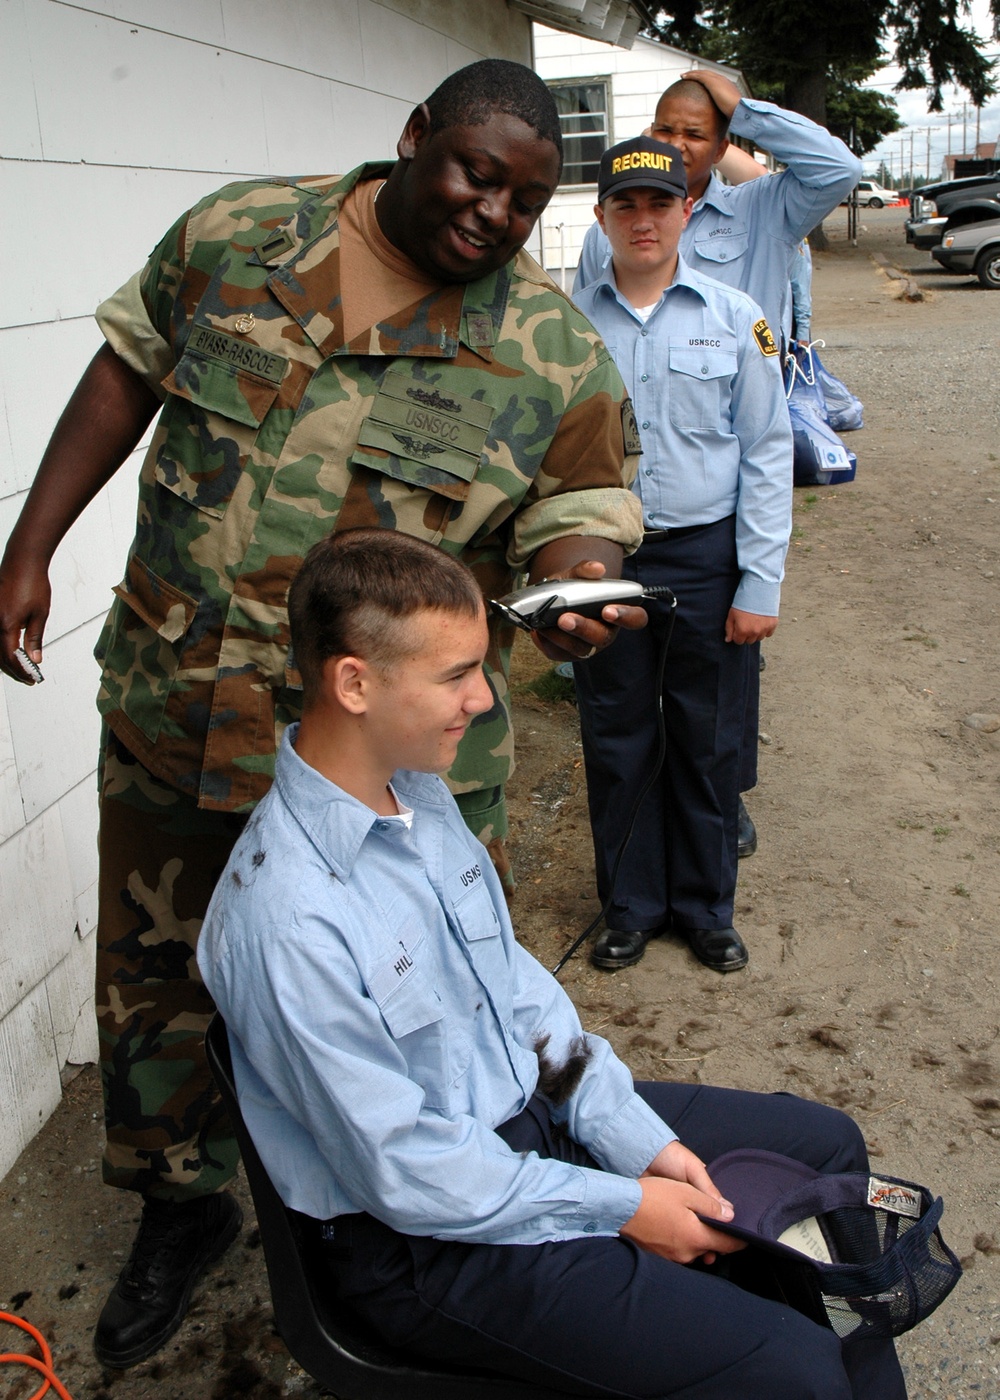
(820,168)
(107,414)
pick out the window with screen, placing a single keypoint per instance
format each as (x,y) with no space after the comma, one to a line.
(583,115)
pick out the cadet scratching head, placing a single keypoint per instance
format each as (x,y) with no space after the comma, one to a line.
(689,119)
(478,162)
(356,591)
(687,90)
(641,163)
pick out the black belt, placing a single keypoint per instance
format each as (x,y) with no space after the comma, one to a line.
(675,532)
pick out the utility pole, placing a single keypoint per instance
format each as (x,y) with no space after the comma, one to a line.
(979,113)
(928,155)
(911,155)
(965,146)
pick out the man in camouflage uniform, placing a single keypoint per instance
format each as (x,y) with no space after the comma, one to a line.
(479,412)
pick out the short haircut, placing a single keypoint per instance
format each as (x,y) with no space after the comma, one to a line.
(471,96)
(355,590)
(693,91)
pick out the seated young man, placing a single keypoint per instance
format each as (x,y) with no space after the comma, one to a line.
(715,483)
(492,1187)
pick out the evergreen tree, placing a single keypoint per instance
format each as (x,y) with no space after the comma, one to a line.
(805,55)
(813,58)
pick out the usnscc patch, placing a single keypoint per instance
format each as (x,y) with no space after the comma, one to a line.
(764,338)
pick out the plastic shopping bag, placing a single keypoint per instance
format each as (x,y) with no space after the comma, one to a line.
(844,409)
(820,458)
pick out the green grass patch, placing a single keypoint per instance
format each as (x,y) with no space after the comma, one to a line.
(548,687)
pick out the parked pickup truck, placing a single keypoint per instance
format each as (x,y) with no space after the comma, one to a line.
(937,209)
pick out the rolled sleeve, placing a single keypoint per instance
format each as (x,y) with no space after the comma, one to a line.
(608,513)
(126,326)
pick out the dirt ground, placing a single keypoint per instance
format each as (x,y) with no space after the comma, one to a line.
(869,908)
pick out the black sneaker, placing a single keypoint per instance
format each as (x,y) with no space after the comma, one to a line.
(175,1243)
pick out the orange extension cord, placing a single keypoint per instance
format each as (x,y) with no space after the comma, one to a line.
(44,1367)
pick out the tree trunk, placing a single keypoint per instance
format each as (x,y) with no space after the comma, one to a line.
(806,93)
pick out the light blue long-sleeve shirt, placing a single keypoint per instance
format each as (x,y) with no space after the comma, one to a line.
(710,405)
(383,1021)
(745,235)
(801,284)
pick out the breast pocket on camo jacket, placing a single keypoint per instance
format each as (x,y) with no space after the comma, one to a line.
(218,396)
(212,416)
(140,644)
(424,435)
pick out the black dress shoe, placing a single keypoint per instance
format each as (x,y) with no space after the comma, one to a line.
(175,1243)
(621,947)
(721,949)
(746,832)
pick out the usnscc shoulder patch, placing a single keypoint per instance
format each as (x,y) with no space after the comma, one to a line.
(764,338)
(630,430)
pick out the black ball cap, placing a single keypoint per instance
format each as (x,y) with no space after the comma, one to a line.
(641,162)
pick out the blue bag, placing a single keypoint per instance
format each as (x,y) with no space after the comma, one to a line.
(844,410)
(820,458)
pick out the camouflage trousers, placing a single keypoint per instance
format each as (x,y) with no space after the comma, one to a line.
(160,857)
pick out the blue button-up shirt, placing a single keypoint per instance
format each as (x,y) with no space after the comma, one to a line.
(710,406)
(383,1021)
(745,235)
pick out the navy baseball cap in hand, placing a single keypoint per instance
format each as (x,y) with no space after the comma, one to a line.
(859,1252)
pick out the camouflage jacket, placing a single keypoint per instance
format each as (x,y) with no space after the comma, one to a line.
(486,418)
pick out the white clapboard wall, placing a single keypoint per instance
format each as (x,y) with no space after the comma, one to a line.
(116,115)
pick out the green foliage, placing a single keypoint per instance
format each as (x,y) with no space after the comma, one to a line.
(813,59)
(932,48)
(860,116)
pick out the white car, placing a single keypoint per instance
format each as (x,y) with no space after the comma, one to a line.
(873,196)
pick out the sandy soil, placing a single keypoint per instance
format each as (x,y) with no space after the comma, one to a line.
(869,908)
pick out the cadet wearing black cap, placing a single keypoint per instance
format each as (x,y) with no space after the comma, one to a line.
(715,482)
(641,162)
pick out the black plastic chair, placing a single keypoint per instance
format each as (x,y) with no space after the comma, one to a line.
(334,1346)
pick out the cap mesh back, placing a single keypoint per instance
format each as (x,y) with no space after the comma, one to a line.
(894,1271)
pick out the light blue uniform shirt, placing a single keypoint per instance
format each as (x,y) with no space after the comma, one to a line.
(383,1019)
(745,235)
(711,411)
(801,284)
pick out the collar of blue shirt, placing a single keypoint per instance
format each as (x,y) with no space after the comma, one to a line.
(334,821)
(685,276)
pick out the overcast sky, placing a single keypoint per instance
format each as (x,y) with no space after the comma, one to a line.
(913,112)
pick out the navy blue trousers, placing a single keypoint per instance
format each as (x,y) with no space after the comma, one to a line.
(601,1317)
(680,864)
(751,720)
